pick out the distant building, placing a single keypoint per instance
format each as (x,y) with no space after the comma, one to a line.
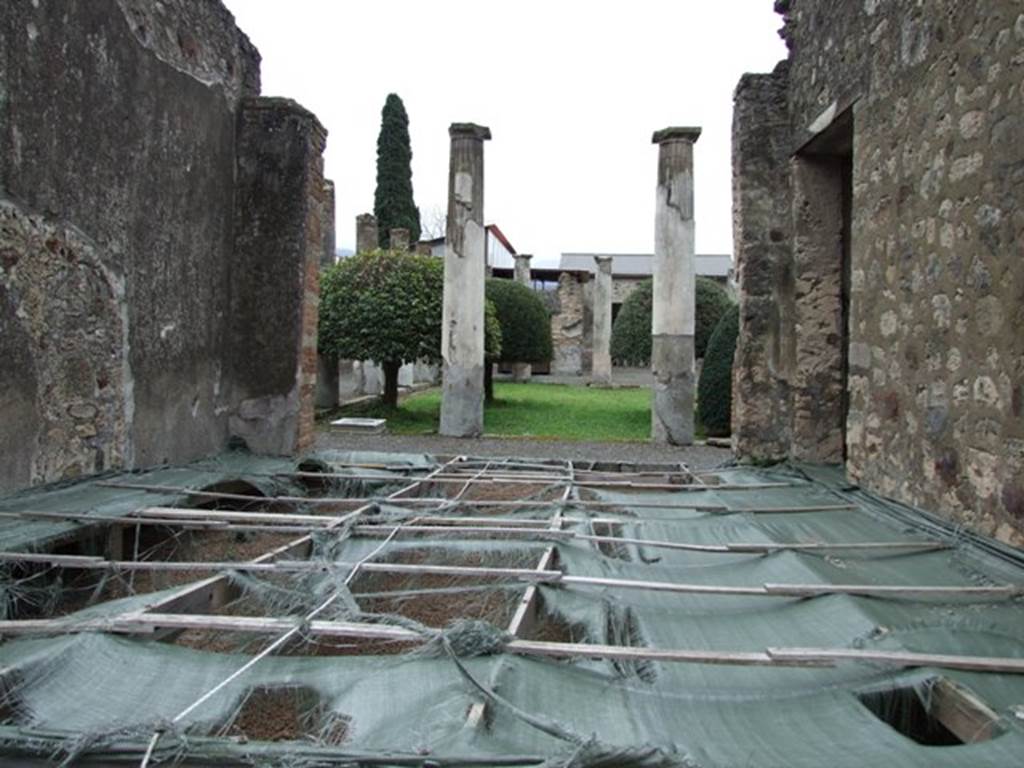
(500,253)
(630,269)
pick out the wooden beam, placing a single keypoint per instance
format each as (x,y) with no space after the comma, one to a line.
(962,712)
(1014,666)
(887,590)
(141,622)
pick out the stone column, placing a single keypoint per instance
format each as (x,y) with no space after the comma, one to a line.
(601,366)
(674,289)
(462,332)
(399,238)
(366,232)
(522,371)
(327,382)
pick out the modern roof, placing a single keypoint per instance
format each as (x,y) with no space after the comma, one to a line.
(641,264)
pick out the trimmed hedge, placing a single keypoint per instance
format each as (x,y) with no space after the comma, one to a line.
(525,325)
(631,334)
(714,391)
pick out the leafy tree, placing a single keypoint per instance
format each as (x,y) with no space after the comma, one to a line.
(714,390)
(631,334)
(393,203)
(524,324)
(386,306)
(383,306)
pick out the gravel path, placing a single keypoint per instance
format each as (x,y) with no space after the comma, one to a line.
(696,456)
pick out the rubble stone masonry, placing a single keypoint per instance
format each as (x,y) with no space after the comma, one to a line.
(123,164)
(933,94)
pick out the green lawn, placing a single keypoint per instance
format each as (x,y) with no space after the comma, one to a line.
(551,411)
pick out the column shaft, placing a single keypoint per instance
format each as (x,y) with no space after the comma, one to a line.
(672,352)
(601,367)
(462,331)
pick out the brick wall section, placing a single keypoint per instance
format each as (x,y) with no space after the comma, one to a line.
(937,292)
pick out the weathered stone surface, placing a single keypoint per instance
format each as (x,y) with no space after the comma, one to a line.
(674,293)
(601,369)
(936,352)
(399,239)
(118,145)
(281,211)
(366,232)
(522,372)
(462,331)
(762,237)
(673,388)
(570,327)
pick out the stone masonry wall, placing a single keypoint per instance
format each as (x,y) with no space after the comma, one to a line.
(281,206)
(118,223)
(936,356)
(762,237)
(571,330)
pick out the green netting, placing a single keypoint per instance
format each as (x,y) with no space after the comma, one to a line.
(101,696)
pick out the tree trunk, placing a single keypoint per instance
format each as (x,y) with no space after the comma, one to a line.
(391,382)
(488,381)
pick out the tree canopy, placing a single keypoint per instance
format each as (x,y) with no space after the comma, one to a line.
(631,333)
(383,306)
(393,202)
(525,325)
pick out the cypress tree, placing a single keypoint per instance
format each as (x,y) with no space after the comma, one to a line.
(393,204)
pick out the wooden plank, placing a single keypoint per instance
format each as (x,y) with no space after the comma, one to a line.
(663,586)
(902,659)
(963,712)
(214,591)
(142,622)
(888,590)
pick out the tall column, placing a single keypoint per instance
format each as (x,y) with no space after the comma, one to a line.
(674,289)
(462,331)
(522,371)
(366,232)
(601,366)
(327,382)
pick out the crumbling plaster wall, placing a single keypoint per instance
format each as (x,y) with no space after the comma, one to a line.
(937,291)
(118,222)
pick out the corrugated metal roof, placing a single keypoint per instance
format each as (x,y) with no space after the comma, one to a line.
(708,264)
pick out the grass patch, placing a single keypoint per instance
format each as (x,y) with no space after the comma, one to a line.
(546,411)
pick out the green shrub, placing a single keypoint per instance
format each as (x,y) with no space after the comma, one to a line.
(525,325)
(383,306)
(631,334)
(714,391)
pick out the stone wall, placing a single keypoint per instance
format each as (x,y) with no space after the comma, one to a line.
(936,293)
(763,243)
(571,325)
(118,227)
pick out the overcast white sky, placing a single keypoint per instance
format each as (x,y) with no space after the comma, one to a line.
(571,91)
